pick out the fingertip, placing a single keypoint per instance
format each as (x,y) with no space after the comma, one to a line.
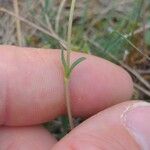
(30,138)
(105,130)
(99,83)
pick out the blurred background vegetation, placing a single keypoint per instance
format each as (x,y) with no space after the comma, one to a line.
(117,30)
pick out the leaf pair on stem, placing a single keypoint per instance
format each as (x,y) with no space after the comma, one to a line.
(68,69)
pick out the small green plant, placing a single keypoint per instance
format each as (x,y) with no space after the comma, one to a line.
(68,67)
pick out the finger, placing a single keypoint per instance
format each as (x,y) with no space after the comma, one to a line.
(25,138)
(32,89)
(122,127)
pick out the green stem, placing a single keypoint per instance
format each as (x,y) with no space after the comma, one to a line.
(67,78)
(68,103)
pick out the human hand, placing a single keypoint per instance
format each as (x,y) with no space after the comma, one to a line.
(32,92)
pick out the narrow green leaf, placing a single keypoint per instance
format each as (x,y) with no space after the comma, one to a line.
(75,64)
(147,37)
(63,58)
(66,68)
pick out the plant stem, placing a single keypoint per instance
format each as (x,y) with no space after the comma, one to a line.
(70,31)
(68,103)
(67,78)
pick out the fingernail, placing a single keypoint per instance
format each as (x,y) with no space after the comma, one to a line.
(136,119)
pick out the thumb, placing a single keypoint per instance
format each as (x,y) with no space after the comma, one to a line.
(121,127)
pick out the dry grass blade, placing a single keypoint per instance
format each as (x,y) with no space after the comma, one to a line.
(18,24)
(134,72)
(62,4)
(61,41)
(142,89)
(144,71)
(139,30)
(50,28)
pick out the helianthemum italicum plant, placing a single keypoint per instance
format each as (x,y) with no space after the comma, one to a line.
(68,67)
